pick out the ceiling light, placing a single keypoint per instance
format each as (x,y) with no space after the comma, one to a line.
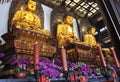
(93,11)
(72,4)
(105,27)
(83,29)
(82,3)
(58,4)
(59,1)
(94,5)
(102,29)
(53,2)
(90,3)
(68,1)
(76,1)
(77,8)
(81,9)
(95,33)
(85,12)
(86,6)
(89,14)
(97,8)
(91,8)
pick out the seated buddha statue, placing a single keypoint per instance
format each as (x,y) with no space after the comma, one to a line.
(65,32)
(89,38)
(26,18)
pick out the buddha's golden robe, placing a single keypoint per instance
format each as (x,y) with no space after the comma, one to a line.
(65,34)
(26,19)
(90,40)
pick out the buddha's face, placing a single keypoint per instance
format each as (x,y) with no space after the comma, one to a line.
(92,31)
(31,5)
(68,20)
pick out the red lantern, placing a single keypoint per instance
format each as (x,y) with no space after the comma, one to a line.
(43,79)
(83,79)
(72,77)
(113,75)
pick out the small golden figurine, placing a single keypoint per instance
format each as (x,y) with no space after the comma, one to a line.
(89,38)
(26,18)
(65,32)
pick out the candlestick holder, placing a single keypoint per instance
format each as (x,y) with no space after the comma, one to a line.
(73,77)
(117,70)
(110,73)
(37,74)
(106,74)
(66,73)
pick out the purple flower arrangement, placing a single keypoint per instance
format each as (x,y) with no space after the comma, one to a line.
(2,55)
(1,65)
(48,68)
(86,70)
(55,70)
(20,62)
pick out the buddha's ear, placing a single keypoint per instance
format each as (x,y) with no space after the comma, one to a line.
(64,20)
(23,7)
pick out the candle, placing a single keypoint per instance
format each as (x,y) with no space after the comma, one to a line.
(36,54)
(64,60)
(115,58)
(101,55)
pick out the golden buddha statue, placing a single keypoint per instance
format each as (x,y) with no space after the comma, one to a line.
(65,32)
(89,38)
(26,18)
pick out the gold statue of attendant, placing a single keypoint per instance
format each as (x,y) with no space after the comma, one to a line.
(89,38)
(65,32)
(26,18)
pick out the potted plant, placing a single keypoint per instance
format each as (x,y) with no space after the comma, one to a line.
(1,63)
(21,66)
(49,69)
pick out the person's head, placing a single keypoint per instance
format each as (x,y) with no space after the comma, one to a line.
(91,30)
(31,6)
(68,19)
